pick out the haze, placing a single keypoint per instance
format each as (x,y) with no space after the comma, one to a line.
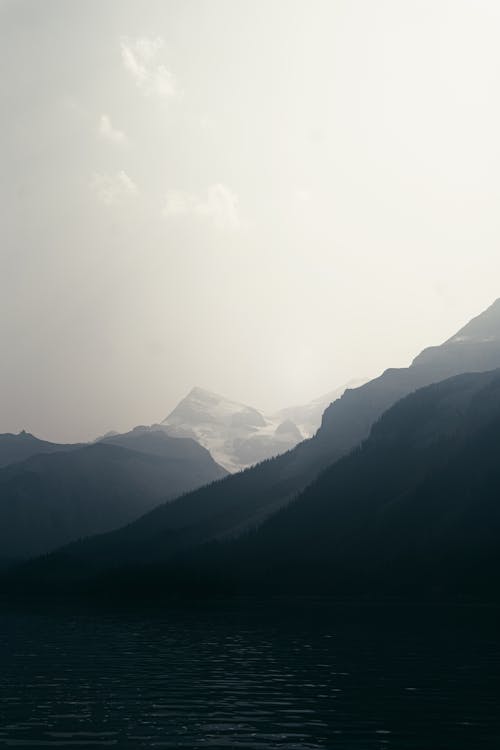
(265,199)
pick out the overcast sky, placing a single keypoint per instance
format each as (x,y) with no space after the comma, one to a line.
(265,198)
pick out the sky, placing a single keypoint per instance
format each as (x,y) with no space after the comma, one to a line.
(264,198)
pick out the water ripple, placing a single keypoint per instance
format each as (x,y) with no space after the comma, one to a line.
(287,677)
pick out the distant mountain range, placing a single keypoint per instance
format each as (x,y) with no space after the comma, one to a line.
(19,447)
(389,503)
(52,494)
(236,435)
(52,498)
(239,436)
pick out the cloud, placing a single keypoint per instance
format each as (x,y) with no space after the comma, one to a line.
(110,133)
(139,59)
(113,189)
(219,205)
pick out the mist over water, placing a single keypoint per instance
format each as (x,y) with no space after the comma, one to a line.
(260,675)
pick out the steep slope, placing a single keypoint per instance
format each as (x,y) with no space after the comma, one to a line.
(308,417)
(244,500)
(475,348)
(52,499)
(214,511)
(416,508)
(19,447)
(348,420)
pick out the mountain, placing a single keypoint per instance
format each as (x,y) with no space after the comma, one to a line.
(345,424)
(19,447)
(307,417)
(184,453)
(245,500)
(49,500)
(348,420)
(413,512)
(475,348)
(236,435)
(239,436)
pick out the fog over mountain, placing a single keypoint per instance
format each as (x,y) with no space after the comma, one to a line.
(250,374)
(415,508)
(68,492)
(238,436)
(414,512)
(52,494)
(308,417)
(243,502)
(264,198)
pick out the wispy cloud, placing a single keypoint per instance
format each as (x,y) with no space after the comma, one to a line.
(219,205)
(140,59)
(108,132)
(111,189)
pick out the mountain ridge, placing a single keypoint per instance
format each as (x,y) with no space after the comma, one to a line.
(413,511)
(237,435)
(244,501)
(52,499)
(18,447)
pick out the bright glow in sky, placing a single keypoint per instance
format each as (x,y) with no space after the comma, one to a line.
(265,198)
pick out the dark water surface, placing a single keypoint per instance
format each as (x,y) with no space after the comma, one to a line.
(282,674)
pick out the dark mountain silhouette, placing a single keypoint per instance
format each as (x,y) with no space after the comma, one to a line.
(475,348)
(243,501)
(414,511)
(14,448)
(49,500)
(415,508)
(184,453)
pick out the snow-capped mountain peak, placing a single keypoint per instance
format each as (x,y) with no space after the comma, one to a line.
(202,406)
(238,435)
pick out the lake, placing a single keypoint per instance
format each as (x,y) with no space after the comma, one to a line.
(284,674)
